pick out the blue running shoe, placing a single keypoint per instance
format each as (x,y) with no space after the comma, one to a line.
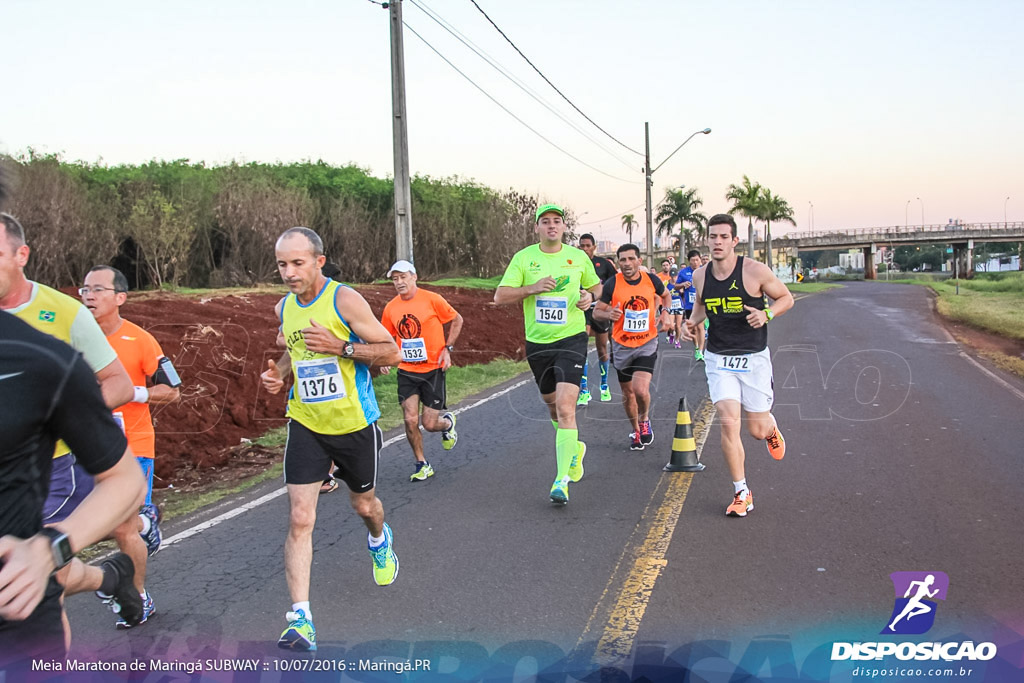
(152,537)
(300,634)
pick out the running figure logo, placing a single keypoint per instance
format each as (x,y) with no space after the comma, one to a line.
(914,609)
(409,327)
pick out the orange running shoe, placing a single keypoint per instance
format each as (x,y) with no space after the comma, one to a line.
(741,505)
(776,444)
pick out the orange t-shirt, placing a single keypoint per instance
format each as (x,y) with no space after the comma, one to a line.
(638,302)
(664,277)
(140,354)
(418,327)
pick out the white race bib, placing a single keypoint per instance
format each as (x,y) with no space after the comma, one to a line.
(318,380)
(414,350)
(551,310)
(735,363)
(636,321)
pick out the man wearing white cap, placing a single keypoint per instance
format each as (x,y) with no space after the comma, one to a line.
(416,319)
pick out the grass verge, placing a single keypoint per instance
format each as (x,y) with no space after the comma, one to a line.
(468,282)
(993,302)
(810,287)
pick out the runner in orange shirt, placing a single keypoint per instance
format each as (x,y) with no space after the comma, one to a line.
(416,319)
(105,291)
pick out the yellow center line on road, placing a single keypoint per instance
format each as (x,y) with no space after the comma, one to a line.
(616,618)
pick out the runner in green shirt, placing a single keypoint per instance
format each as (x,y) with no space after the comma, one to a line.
(556,283)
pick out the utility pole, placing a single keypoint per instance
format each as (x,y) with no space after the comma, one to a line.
(400,131)
(648,181)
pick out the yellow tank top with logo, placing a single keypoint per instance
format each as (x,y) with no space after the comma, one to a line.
(58,315)
(330,395)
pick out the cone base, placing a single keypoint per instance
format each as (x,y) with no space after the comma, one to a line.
(674,467)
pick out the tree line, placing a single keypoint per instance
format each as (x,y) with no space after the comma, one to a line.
(189,224)
(679,212)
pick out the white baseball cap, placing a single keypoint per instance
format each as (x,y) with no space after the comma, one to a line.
(401,266)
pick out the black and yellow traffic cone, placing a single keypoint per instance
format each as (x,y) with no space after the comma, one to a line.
(684,446)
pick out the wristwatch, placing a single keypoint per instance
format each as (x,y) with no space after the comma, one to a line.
(768,314)
(60,546)
(450,347)
(348,349)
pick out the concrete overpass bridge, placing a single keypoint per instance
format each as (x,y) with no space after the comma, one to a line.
(960,236)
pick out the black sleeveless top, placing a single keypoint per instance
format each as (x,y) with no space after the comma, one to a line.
(729,332)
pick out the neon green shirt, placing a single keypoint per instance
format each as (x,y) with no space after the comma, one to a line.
(553,315)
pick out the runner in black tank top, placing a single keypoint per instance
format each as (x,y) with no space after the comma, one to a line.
(737,361)
(724,300)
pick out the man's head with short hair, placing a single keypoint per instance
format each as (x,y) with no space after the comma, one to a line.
(629,260)
(666,265)
(316,244)
(588,244)
(721,241)
(300,257)
(13,258)
(720,218)
(104,291)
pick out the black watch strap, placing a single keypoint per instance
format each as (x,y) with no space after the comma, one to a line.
(60,546)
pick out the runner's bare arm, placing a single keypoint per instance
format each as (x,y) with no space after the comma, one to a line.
(159,394)
(115,384)
(782,298)
(455,330)
(512,295)
(26,564)
(605,311)
(378,346)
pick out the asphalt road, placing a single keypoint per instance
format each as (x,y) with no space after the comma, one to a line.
(903,454)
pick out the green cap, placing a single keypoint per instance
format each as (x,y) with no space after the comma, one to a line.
(546,208)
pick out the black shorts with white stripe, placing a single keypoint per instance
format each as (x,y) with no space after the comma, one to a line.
(308,456)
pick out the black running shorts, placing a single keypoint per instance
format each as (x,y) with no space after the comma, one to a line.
(597,326)
(429,386)
(637,364)
(560,361)
(308,456)
(41,636)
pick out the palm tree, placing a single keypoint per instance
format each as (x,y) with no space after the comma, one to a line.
(772,207)
(680,206)
(745,198)
(628,223)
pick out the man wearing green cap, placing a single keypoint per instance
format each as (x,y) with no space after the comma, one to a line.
(556,283)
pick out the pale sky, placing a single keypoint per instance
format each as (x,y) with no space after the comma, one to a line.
(856,107)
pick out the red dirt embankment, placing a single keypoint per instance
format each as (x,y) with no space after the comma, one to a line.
(221,344)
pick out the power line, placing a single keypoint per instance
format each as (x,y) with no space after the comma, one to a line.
(552,84)
(440,21)
(616,215)
(507,111)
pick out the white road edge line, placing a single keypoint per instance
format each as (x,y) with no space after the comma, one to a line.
(198,528)
(1012,389)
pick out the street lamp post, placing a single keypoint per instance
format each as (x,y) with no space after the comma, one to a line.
(810,215)
(906,215)
(922,211)
(1004,210)
(648,172)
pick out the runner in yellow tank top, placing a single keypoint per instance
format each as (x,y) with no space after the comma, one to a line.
(332,338)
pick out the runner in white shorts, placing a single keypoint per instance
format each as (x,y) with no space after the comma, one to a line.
(731,293)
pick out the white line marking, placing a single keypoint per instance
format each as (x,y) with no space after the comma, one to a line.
(281,491)
(1012,389)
